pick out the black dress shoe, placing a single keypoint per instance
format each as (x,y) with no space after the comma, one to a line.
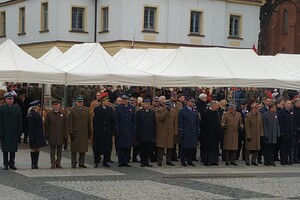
(96,165)
(206,164)
(191,164)
(248,164)
(5,167)
(126,165)
(106,165)
(135,160)
(289,163)
(254,163)
(259,162)
(159,164)
(282,163)
(273,164)
(215,164)
(227,164)
(174,159)
(233,163)
(73,166)
(13,167)
(266,164)
(170,164)
(183,164)
(195,159)
(83,166)
(120,165)
(143,165)
(148,165)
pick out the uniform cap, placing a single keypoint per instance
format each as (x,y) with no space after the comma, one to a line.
(190,99)
(156,99)
(231,105)
(54,101)
(125,96)
(104,96)
(9,95)
(244,102)
(79,98)
(35,103)
(146,101)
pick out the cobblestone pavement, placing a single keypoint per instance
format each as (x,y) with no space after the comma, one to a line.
(200,182)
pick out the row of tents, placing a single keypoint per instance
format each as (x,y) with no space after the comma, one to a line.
(90,64)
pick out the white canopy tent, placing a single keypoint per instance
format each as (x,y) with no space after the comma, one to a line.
(18,66)
(126,55)
(189,66)
(90,64)
(51,55)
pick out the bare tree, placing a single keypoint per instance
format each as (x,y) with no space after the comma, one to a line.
(266,12)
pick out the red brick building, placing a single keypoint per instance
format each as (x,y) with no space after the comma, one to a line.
(284,30)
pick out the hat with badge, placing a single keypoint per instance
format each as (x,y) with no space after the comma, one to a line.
(132,99)
(174,94)
(231,105)
(146,101)
(35,103)
(244,102)
(104,96)
(155,99)
(9,95)
(79,98)
(125,96)
(191,99)
(55,101)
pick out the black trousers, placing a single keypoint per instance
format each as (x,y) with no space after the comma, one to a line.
(286,149)
(277,149)
(160,153)
(186,155)
(254,156)
(296,147)
(106,157)
(261,151)
(241,147)
(123,155)
(146,150)
(174,152)
(135,151)
(11,160)
(268,152)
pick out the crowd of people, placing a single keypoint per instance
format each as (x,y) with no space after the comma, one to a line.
(144,127)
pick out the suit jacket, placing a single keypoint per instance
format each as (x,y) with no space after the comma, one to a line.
(271,127)
(286,123)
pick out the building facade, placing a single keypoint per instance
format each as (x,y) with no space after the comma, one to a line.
(37,25)
(283,34)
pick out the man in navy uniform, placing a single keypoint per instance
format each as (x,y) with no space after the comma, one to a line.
(189,131)
(103,126)
(124,130)
(10,130)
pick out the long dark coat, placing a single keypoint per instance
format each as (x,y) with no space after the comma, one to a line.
(286,123)
(35,130)
(253,130)
(233,122)
(56,127)
(210,131)
(296,112)
(271,127)
(146,126)
(103,126)
(125,125)
(189,127)
(10,127)
(24,105)
(79,124)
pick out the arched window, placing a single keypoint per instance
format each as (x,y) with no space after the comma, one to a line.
(285,21)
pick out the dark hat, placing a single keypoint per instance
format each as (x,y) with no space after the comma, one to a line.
(156,99)
(9,95)
(104,96)
(125,96)
(54,101)
(79,98)
(21,92)
(132,99)
(34,103)
(174,94)
(146,101)
(231,105)
(190,99)
(109,86)
(244,102)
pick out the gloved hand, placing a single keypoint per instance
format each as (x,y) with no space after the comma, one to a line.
(225,127)
(72,136)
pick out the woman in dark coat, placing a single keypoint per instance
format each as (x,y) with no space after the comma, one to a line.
(103,126)
(36,132)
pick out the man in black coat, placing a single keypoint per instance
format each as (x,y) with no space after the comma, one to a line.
(10,129)
(211,128)
(146,131)
(241,145)
(286,124)
(125,127)
(103,126)
(296,111)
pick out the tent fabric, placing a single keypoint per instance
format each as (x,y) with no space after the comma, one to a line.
(220,67)
(126,55)
(51,55)
(90,64)
(18,66)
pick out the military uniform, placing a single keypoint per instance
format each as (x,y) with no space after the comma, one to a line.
(10,130)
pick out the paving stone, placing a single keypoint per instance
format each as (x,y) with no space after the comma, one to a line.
(10,193)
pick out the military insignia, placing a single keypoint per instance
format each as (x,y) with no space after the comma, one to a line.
(292,113)
(275,116)
(130,110)
(61,115)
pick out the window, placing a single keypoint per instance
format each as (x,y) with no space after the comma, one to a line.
(44,17)
(104,21)
(285,21)
(234,26)
(2,24)
(195,23)
(22,20)
(150,18)
(77,19)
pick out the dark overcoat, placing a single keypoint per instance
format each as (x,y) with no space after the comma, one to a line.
(103,126)
(210,131)
(56,127)
(188,127)
(271,127)
(35,130)
(125,125)
(286,123)
(10,127)
(146,126)
(24,105)
(79,124)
